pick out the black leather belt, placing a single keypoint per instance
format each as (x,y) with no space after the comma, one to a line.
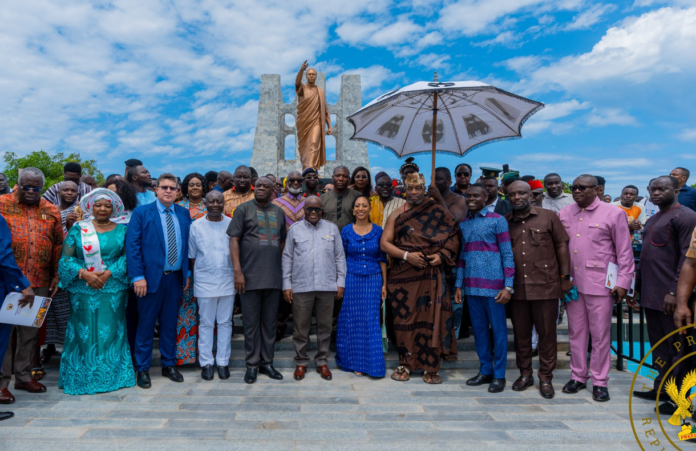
(168,272)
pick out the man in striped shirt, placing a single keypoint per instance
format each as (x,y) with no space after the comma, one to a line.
(486,272)
(292,205)
(71,172)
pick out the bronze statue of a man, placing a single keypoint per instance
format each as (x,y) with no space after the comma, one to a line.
(312,114)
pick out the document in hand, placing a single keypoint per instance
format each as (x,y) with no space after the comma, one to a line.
(34,316)
(612,275)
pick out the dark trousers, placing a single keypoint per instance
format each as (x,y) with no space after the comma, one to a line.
(163,304)
(284,310)
(302,306)
(5,332)
(20,361)
(670,350)
(132,320)
(260,315)
(542,314)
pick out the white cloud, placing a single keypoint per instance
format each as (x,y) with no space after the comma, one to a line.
(373,79)
(590,17)
(688,134)
(610,116)
(506,38)
(546,118)
(636,51)
(472,17)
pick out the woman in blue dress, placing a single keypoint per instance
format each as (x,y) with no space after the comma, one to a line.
(96,356)
(359,335)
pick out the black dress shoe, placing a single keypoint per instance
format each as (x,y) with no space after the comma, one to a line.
(207,373)
(600,394)
(479,379)
(144,379)
(535,353)
(650,395)
(497,385)
(667,408)
(173,374)
(271,372)
(224,372)
(6,415)
(573,386)
(250,376)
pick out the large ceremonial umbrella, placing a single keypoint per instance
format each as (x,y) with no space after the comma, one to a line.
(468,114)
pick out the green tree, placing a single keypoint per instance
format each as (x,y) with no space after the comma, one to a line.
(50,165)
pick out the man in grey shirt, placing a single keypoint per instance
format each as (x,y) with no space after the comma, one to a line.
(554,198)
(314,274)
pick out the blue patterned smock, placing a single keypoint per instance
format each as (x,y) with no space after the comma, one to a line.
(96,356)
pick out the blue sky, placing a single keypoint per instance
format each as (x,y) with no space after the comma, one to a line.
(175,83)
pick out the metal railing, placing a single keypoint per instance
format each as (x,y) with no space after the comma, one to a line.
(628,337)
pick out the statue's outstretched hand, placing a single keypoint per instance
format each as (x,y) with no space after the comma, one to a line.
(304,66)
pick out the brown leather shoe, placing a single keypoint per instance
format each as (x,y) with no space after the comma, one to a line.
(546,389)
(6,397)
(325,373)
(32,386)
(522,383)
(300,372)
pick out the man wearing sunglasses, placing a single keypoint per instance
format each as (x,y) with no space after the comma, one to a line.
(157,257)
(37,242)
(462,174)
(598,237)
(292,204)
(311,182)
(666,240)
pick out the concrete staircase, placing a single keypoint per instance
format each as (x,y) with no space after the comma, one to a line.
(466,359)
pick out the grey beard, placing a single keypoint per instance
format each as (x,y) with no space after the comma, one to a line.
(294,191)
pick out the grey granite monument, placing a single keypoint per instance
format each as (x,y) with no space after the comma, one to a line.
(271,130)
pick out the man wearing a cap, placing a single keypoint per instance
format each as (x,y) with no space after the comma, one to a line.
(311,182)
(536,196)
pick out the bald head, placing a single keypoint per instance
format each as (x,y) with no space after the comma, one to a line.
(215,204)
(520,185)
(518,194)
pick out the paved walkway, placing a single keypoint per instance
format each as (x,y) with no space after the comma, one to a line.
(349,412)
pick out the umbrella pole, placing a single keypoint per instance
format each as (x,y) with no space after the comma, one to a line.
(433,137)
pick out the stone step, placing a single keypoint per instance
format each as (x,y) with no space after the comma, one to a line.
(465,360)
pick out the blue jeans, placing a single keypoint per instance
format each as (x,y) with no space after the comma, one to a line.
(485,311)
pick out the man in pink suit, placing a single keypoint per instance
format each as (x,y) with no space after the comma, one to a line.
(598,236)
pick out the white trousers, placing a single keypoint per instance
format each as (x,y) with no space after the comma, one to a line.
(210,309)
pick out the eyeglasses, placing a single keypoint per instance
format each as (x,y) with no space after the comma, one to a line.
(295,180)
(35,189)
(168,188)
(313,210)
(383,185)
(581,187)
(533,194)
(463,174)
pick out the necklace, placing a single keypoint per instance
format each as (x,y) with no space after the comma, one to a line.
(195,205)
(101,223)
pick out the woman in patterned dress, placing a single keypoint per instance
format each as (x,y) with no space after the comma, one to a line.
(359,335)
(96,356)
(193,190)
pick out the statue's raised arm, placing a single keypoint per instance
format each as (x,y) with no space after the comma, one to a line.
(298,79)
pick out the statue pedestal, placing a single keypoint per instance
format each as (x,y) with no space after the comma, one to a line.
(268,155)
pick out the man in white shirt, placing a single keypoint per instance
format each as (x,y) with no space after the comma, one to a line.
(213,285)
(649,209)
(555,198)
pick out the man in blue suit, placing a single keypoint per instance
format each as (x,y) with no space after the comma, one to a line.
(156,251)
(11,279)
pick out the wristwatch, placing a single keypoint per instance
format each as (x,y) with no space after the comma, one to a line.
(405,255)
(510,289)
(565,276)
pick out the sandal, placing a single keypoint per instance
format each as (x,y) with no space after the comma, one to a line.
(401,374)
(431,378)
(38,374)
(359,374)
(450,358)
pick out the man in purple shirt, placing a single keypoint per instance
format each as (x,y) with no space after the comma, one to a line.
(598,237)
(667,236)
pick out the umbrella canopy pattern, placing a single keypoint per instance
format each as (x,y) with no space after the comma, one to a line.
(469,114)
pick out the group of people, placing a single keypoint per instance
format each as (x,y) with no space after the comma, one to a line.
(398,262)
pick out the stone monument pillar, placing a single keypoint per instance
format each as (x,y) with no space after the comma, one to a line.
(268,155)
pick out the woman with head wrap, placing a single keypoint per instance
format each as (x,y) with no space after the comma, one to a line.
(96,356)
(193,189)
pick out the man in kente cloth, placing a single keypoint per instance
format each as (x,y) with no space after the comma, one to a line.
(422,239)
(312,117)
